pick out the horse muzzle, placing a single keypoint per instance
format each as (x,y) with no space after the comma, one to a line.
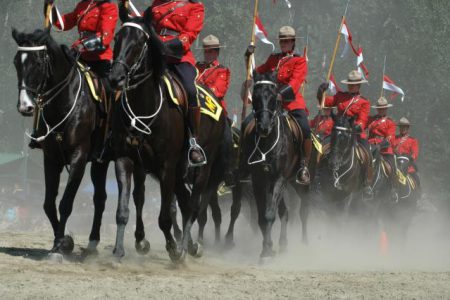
(25,105)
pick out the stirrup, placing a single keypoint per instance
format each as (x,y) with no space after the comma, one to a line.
(194,146)
(297,176)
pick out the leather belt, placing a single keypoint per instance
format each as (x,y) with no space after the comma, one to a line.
(168,32)
(86,34)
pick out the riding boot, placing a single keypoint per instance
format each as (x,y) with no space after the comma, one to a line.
(303,177)
(195,152)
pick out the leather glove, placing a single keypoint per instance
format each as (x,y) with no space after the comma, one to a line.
(250,50)
(92,44)
(322,88)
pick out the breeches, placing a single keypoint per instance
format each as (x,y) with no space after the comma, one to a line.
(187,74)
(301,117)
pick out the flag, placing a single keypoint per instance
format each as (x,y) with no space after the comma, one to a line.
(389,85)
(288,3)
(361,66)
(261,33)
(345,31)
(333,88)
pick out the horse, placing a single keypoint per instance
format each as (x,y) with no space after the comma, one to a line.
(52,86)
(156,138)
(269,153)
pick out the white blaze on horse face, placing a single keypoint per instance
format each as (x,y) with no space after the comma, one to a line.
(24,57)
(25,102)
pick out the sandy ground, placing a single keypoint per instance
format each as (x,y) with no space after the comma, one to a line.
(26,273)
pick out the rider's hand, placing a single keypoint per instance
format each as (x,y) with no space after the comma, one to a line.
(322,88)
(250,50)
(357,128)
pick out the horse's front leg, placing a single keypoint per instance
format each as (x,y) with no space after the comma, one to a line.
(283,214)
(234,214)
(63,243)
(142,245)
(124,168)
(304,193)
(52,173)
(98,177)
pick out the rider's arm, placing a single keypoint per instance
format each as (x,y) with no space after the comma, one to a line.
(363,115)
(107,23)
(414,149)
(193,27)
(299,73)
(222,82)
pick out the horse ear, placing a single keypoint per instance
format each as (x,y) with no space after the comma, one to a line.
(15,35)
(123,13)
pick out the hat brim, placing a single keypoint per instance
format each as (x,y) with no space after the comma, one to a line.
(289,38)
(345,81)
(326,107)
(382,106)
(210,47)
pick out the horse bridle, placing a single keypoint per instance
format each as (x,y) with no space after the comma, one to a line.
(138,63)
(273,114)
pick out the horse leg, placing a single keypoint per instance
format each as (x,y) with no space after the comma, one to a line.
(142,245)
(52,175)
(234,213)
(124,168)
(183,197)
(303,193)
(216,214)
(98,177)
(63,243)
(283,214)
(202,218)
(167,185)
(173,215)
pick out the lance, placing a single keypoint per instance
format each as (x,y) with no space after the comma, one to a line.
(330,69)
(48,11)
(382,78)
(249,65)
(305,55)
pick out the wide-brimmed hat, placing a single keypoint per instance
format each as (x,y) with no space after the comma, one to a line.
(326,107)
(382,103)
(211,42)
(354,77)
(287,33)
(404,122)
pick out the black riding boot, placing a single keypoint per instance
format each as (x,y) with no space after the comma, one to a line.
(195,152)
(303,177)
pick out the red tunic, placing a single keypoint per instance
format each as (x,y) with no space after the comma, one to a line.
(184,17)
(351,106)
(292,71)
(217,78)
(322,125)
(406,145)
(97,18)
(382,128)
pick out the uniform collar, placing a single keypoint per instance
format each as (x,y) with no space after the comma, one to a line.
(286,54)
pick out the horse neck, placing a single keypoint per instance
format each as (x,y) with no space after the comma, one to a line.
(145,99)
(58,62)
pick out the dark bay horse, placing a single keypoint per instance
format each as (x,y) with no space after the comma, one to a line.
(52,85)
(269,154)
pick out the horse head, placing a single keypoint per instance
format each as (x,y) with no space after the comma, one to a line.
(32,66)
(265,105)
(342,141)
(137,48)
(403,163)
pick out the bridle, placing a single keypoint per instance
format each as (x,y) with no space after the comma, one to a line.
(336,175)
(131,71)
(273,114)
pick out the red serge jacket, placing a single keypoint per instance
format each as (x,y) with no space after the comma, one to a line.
(178,19)
(351,106)
(92,17)
(406,145)
(292,71)
(216,77)
(382,128)
(323,125)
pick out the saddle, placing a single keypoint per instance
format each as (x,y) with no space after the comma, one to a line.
(296,130)
(175,91)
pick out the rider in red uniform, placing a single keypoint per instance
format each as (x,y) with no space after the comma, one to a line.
(291,72)
(352,105)
(178,23)
(382,128)
(322,124)
(212,74)
(96,23)
(404,144)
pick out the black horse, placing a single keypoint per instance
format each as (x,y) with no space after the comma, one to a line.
(269,154)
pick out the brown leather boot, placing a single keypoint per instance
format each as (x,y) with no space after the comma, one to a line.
(196,153)
(303,177)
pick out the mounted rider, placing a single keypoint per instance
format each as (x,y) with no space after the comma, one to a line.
(352,105)
(291,70)
(212,74)
(96,22)
(178,24)
(405,145)
(323,123)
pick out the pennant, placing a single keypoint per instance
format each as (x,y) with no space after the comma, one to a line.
(388,84)
(345,31)
(333,88)
(361,66)
(261,33)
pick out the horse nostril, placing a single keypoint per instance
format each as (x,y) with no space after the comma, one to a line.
(29,109)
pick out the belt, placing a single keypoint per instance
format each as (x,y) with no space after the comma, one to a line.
(168,32)
(85,34)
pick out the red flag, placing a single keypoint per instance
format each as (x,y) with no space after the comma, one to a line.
(261,33)
(388,84)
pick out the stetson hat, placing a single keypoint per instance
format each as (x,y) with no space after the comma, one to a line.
(382,103)
(211,42)
(287,33)
(354,77)
(404,122)
(326,107)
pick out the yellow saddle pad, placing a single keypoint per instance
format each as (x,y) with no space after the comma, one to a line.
(90,81)
(208,103)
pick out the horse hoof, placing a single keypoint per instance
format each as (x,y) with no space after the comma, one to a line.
(118,253)
(265,260)
(195,250)
(66,245)
(55,257)
(176,256)
(142,247)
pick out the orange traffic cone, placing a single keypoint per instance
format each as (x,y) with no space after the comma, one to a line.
(384,244)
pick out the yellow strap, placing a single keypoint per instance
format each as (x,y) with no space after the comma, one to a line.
(169,88)
(89,81)
(213,108)
(317,144)
(401,177)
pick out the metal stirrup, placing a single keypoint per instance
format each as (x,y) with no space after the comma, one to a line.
(193,145)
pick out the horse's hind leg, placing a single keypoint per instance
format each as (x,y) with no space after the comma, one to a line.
(124,168)
(283,214)
(52,175)
(234,214)
(142,245)
(98,178)
(77,167)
